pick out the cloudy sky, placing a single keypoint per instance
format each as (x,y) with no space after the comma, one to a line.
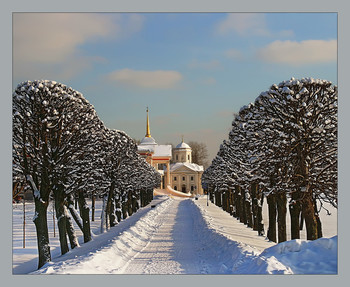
(193,70)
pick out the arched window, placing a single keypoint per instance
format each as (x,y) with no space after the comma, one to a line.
(188,157)
(177,157)
(175,187)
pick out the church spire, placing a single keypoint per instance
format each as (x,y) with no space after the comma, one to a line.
(148,133)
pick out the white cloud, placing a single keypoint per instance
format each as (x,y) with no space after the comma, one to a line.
(249,24)
(52,37)
(244,24)
(299,53)
(159,79)
(49,39)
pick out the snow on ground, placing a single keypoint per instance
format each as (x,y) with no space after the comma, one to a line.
(248,253)
(25,260)
(178,236)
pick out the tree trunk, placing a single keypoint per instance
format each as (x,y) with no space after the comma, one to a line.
(75,201)
(224,200)
(211,195)
(142,200)
(243,217)
(255,202)
(309,216)
(230,202)
(41,202)
(271,231)
(249,214)
(301,220)
(42,233)
(129,205)
(134,203)
(261,230)
(118,207)
(73,240)
(110,212)
(295,210)
(61,219)
(281,216)
(85,216)
(238,200)
(40,220)
(93,199)
(318,220)
(103,215)
(112,215)
(124,206)
(150,195)
(218,198)
(73,212)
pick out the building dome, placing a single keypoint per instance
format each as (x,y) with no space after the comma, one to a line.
(148,141)
(183,145)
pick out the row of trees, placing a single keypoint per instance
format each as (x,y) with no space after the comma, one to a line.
(62,150)
(282,147)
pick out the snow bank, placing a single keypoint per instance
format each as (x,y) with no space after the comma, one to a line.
(295,257)
(242,253)
(231,246)
(306,257)
(109,252)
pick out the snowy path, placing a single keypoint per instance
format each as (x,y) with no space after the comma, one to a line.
(185,236)
(172,249)
(175,237)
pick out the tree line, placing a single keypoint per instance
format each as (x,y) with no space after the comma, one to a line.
(282,148)
(62,151)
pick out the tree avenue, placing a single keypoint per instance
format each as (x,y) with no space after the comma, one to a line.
(282,147)
(63,151)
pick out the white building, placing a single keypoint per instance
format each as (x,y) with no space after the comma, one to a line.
(185,175)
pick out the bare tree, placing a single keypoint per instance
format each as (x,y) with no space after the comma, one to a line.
(199,153)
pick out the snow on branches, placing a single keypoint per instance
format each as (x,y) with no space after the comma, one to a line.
(62,146)
(286,142)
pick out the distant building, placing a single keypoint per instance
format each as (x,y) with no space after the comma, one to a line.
(185,175)
(182,175)
(156,155)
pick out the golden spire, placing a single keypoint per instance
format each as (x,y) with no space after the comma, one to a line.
(182,138)
(148,133)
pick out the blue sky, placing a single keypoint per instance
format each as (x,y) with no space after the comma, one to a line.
(193,70)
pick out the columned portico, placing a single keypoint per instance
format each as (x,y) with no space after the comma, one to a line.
(168,174)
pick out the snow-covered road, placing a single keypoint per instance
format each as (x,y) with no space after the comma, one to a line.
(172,238)
(173,248)
(185,236)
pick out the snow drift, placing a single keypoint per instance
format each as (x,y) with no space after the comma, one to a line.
(290,257)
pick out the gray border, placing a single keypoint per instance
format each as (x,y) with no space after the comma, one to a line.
(339,6)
